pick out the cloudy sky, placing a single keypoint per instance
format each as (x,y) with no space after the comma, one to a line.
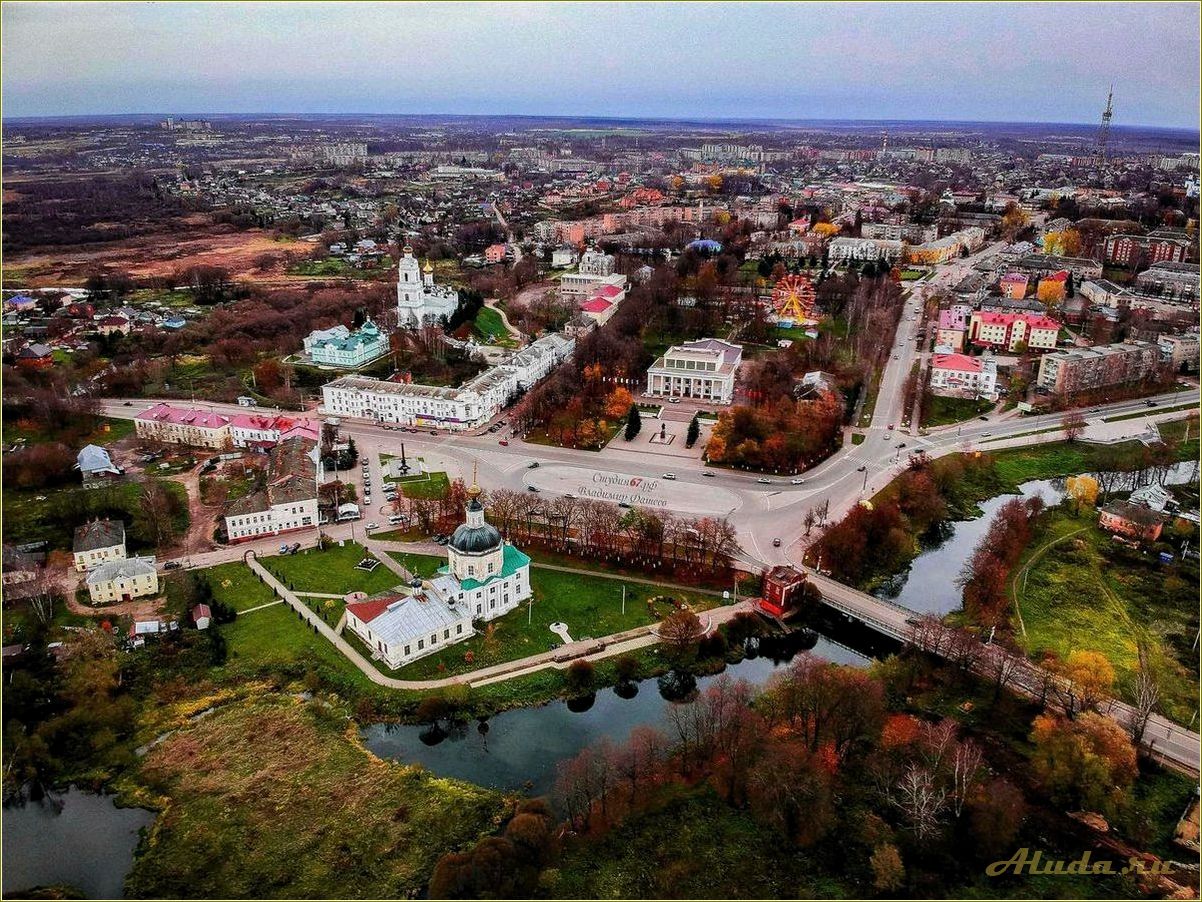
(1007,62)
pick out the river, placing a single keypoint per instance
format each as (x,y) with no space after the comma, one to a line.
(81,839)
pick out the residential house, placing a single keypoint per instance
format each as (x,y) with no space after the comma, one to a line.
(98,542)
(123,580)
(93,462)
(1135,521)
(958,375)
(184,426)
(1013,331)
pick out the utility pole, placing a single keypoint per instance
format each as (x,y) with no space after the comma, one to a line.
(623,599)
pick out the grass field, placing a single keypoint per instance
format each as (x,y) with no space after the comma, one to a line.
(423,565)
(425,485)
(590,606)
(331,571)
(938,411)
(491,329)
(1151,411)
(1088,593)
(238,586)
(277,798)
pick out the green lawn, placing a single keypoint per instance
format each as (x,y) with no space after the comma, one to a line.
(939,411)
(491,328)
(422,565)
(423,485)
(238,586)
(1089,593)
(331,571)
(590,606)
(1151,411)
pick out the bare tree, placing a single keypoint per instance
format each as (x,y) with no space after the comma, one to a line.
(921,800)
(966,762)
(1147,695)
(1073,424)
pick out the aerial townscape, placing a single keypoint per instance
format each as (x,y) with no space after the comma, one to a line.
(600,451)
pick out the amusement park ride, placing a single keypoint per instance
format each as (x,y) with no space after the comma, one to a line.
(793,300)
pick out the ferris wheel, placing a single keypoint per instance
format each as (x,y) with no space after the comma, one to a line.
(793,298)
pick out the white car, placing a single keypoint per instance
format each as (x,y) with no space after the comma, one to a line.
(797,481)
(373,525)
(669,476)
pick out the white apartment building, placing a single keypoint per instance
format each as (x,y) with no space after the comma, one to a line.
(845,250)
(705,370)
(472,404)
(955,375)
(289,500)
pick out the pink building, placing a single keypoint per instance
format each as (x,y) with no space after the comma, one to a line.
(1014,285)
(495,253)
(1010,331)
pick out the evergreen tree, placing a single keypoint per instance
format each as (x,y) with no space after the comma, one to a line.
(634,422)
(694,432)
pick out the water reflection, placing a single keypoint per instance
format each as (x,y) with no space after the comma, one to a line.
(76,838)
(522,747)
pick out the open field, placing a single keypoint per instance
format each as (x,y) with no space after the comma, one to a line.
(939,411)
(1088,593)
(331,571)
(199,243)
(278,798)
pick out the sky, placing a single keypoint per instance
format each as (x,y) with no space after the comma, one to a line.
(1014,62)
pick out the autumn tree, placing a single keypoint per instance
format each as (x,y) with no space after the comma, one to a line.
(1085,679)
(1083,490)
(1072,425)
(1086,763)
(618,402)
(680,633)
(995,815)
(888,873)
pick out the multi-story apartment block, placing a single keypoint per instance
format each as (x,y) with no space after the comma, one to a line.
(1010,331)
(472,404)
(1179,351)
(1161,246)
(1081,369)
(845,250)
(1171,281)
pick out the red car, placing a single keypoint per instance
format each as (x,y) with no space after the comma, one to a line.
(503,442)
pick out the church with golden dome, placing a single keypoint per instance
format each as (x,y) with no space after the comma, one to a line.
(419,301)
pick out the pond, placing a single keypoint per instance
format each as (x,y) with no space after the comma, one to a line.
(77,838)
(520,749)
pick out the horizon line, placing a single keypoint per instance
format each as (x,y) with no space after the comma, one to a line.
(583,116)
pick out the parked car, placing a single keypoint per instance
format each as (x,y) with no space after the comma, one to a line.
(623,504)
(172,565)
(708,474)
(531,488)
(373,525)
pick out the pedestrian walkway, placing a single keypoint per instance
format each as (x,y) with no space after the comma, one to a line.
(559,658)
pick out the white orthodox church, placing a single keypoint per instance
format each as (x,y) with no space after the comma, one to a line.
(485,577)
(418,300)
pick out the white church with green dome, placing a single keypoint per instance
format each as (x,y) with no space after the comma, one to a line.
(485,577)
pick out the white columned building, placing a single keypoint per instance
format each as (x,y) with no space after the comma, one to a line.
(704,370)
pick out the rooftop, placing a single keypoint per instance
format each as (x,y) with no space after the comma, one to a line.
(99,534)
